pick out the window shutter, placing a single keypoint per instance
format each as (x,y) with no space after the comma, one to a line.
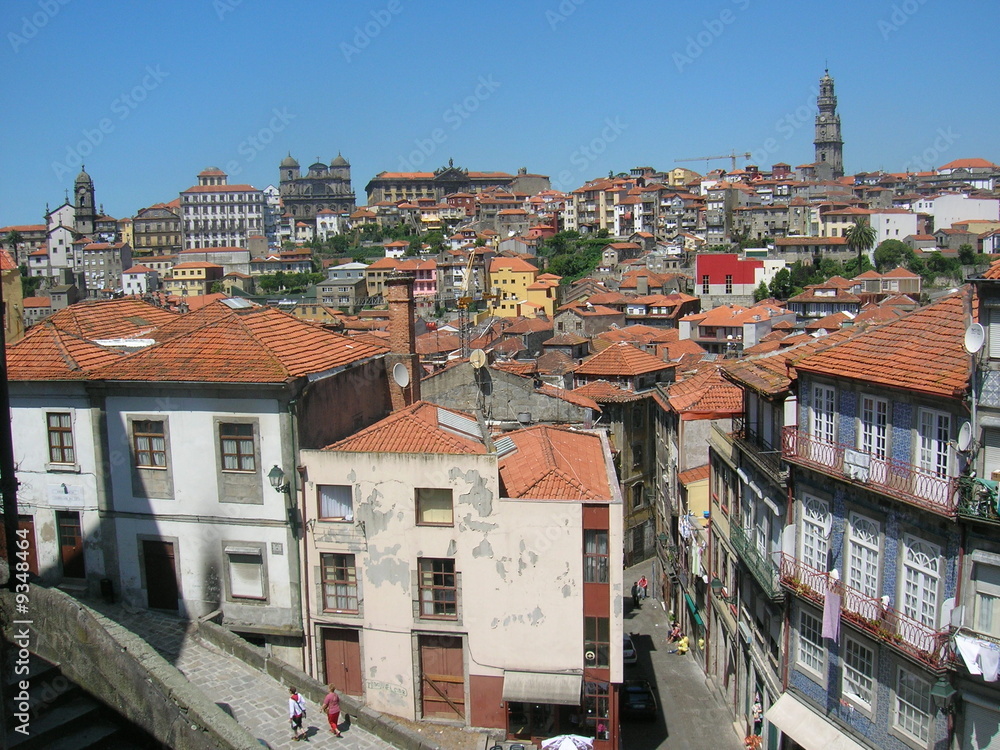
(246,575)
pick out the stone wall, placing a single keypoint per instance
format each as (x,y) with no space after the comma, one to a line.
(125,672)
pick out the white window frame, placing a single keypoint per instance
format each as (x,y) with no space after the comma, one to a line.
(864,543)
(873,426)
(810,655)
(984,596)
(822,424)
(240,560)
(814,541)
(912,720)
(859,684)
(920,581)
(934,455)
(335,505)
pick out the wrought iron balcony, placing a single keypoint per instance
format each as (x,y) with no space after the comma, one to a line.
(897,479)
(767,457)
(900,631)
(760,567)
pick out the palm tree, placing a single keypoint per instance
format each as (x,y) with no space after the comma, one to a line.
(861,237)
(13,239)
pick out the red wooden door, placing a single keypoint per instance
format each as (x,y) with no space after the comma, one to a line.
(342,659)
(161,575)
(442,677)
(70,544)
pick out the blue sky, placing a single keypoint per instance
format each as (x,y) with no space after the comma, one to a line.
(151,93)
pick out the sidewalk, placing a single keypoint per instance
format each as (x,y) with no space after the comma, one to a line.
(693,717)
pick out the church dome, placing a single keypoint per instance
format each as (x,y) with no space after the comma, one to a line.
(288,161)
(340,161)
(83,177)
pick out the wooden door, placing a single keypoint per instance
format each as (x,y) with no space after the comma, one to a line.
(161,575)
(342,659)
(70,544)
(442,677)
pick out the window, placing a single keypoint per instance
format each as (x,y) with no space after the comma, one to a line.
(911,710)
(150,444)
(815,531)
(932,449)
(824,399)
(597,641)
(811,653)
(434,507)
(596,708)
(704,284)
(340,583)
(336,502)
(61,438)
(874,426)
(438,588)
(246,572)
(921,573)
(986,601)
(637,456)
(859,672)
(729,283)
(637,495)
(595,556)
(863,553)
(236,440)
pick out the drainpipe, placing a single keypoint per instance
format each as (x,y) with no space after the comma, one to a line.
(304,553)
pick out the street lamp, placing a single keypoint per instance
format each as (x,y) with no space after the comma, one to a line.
(944,695)
(277,478)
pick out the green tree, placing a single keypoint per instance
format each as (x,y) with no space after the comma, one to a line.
(890,254)
(761,292)
(966,254)
(14,239)
(861,238)
(29,284)
(216,288)
(781,285)
(414,249)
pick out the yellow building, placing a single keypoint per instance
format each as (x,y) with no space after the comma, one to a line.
(509,279)
(191,279)
(543,295)
(680,176)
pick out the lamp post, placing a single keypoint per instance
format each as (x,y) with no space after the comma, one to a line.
(277,479)
(944,694)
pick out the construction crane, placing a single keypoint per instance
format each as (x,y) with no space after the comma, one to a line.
(465,302)
(732,155)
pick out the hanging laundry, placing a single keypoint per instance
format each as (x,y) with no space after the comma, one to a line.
(969,648)
(989,660)
(831,616)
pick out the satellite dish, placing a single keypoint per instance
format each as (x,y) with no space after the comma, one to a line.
(478,358)
(974,338)
(964,437)
(401,375)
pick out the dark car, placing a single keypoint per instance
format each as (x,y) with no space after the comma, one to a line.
(637,701)
(629,654)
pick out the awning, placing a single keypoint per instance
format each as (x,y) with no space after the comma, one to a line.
(809,728)
(694,611)
(542,687)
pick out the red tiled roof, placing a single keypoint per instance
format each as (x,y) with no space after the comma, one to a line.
(920,352)
(48,353)
(553,463)
(697,474)
(603,391)
(111,319)
(416,429)
(620,360)
(705,395)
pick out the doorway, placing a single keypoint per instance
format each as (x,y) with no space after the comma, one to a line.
(70,544)
(442,676)
(342,659)
(161,575)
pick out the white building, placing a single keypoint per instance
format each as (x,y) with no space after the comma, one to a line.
(146,442)
(139,280)
(455,578)
(217,214)
(948,208)
(328,224)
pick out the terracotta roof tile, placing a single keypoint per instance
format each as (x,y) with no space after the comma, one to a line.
(553,463)
(920,352)
(696,474)
(603,391)
(620,360)
(421,428)
(705,395)
(48,353)
(109,319)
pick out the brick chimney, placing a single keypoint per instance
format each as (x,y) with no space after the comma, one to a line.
(402,339)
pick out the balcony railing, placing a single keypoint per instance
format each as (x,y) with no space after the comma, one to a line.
(977,498)
(910,636)
(754,445)
(897,479)
(760,567)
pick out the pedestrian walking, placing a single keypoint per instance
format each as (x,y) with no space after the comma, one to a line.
(296,713)
(331,704)
(635,594)
(644,585)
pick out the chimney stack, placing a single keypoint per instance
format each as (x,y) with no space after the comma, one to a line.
(402,339)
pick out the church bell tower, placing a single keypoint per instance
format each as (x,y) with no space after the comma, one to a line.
(829,144)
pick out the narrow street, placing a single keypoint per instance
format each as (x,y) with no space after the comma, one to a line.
(691,715)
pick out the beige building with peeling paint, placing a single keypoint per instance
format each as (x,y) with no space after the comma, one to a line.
(451,577)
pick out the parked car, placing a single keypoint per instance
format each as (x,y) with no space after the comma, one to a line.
(631,656)
(637,700)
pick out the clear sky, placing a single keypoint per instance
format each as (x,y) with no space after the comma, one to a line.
(148,94)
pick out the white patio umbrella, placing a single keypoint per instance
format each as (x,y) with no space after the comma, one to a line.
(568,742)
